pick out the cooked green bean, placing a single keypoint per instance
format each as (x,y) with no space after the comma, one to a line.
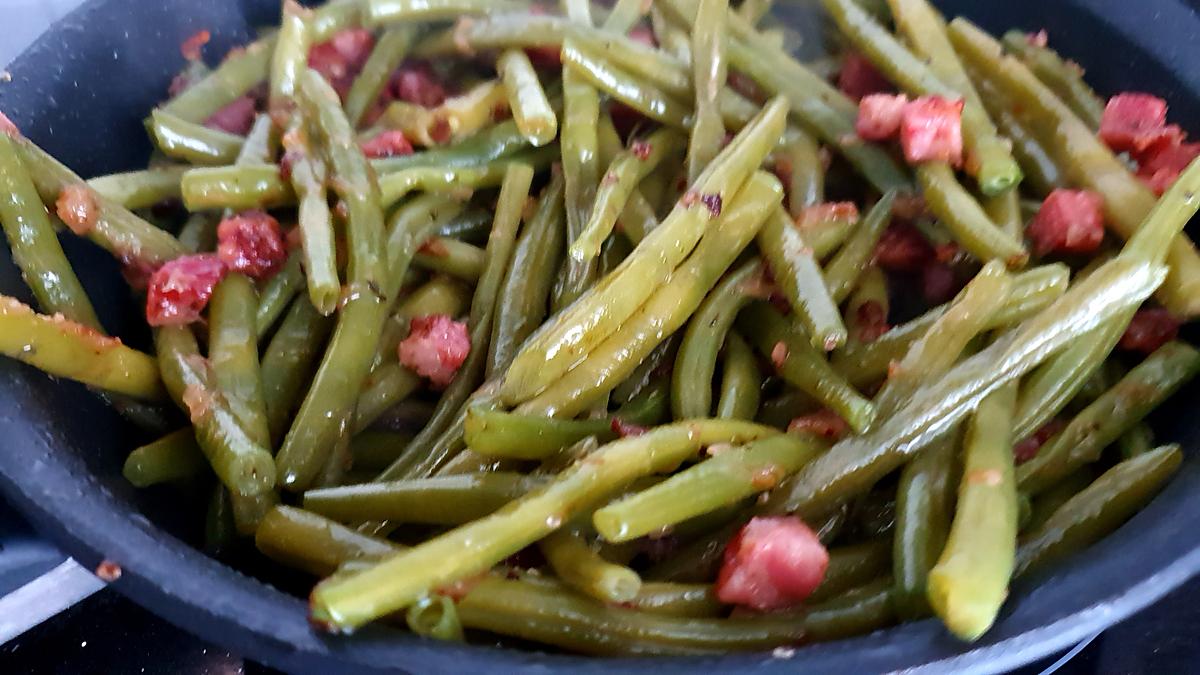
(233,354)
(581,568)
(709,68)
(235,187)
(1065,78)
(624,15)
(456,118)
(245,467)
(67,349)
(573,333)
(696,601)
(1137,441)
(389,52)
(581,175)
(387,11)
(852,566)
(436,617)
(524,298)
(970,580)
(991,162)
(1099,509)
(277,294)
(842,272)
(623,86)
(924,506)
(530,107)
(174,457)
(219,529)
(289,59)
(193,142)
(800,161)
(236,75)
(328,405)
(140,189)
(309,175)
(968,222)
(288,362)
(451,256)
(802,366)
(725,478)
(34,245)
(857,612)
(488,145)
(795,270)
(666,310)
(741,382)
(304,540)
(199,232)
(1106,418)
(617,185)
(442,500)
(458,181)
(351,601)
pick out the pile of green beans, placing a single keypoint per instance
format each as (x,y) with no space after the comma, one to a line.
(670,330)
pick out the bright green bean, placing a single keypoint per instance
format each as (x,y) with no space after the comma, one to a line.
(235,187)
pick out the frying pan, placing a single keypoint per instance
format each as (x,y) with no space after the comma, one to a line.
(81,91)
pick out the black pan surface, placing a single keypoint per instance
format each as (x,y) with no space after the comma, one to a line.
(81,92)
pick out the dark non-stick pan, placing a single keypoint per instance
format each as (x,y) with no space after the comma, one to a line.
(81,92)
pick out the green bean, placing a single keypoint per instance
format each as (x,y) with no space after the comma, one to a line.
(1045,504)
(435,617)
(924,506)
(1137,441)
(1099,509)
(288,362)
(34,245)
(726,478)
(573,333)
(869,300)
(851,566)
(219,529)
(752,11)
(117,230)
(67,349)
(451,256)
(351,601)
(374,450)
(443,500)
(389,52)
(330,402)
(458,181)
(708,76)
(1041,172)
(991,162)
(412,11)
(235,187)
(1032,291)
(524,610)
(946,340)
(277,294)
(334,17)
(440,295)
(530,107)
(236,75)
(580,567)
(800,160)
(666,310)
(244,466)
(741,382)
(174,457)
(140,189)
(502,434)
(924,31)
(524,297)
(581,175)
(309,175)
(970,580)
(859,611)
(306,541)
(616,187)
(969,223)
(1065,78)
(387,385)
(667,32)
(193,142)
(233,354)
(1106,418)
(802,366)
(794,268)
(456,118)
(419,459)
(199,232)
(625,14)
(858,462)
(1085,161)
(842,272)
(697,601)
(644,97)
(488,145)
(1005,211)
(289,59)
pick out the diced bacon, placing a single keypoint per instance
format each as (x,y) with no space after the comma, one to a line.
(744,85)
(931,130)
(903,248)
(191,47)
(772,563)
(251,243)
(828,212)
(824,423)
(1159,166)
(435,348)
(7,127)
(1133,121)
(179,291)
(415,82)
(76,206)
(340,58)
(236,117)
(1150,329)
(622,428)
(872,321)
(879,116)
(390,143)
(859,78)
(1028,448)
(939,283)
(1069,221)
